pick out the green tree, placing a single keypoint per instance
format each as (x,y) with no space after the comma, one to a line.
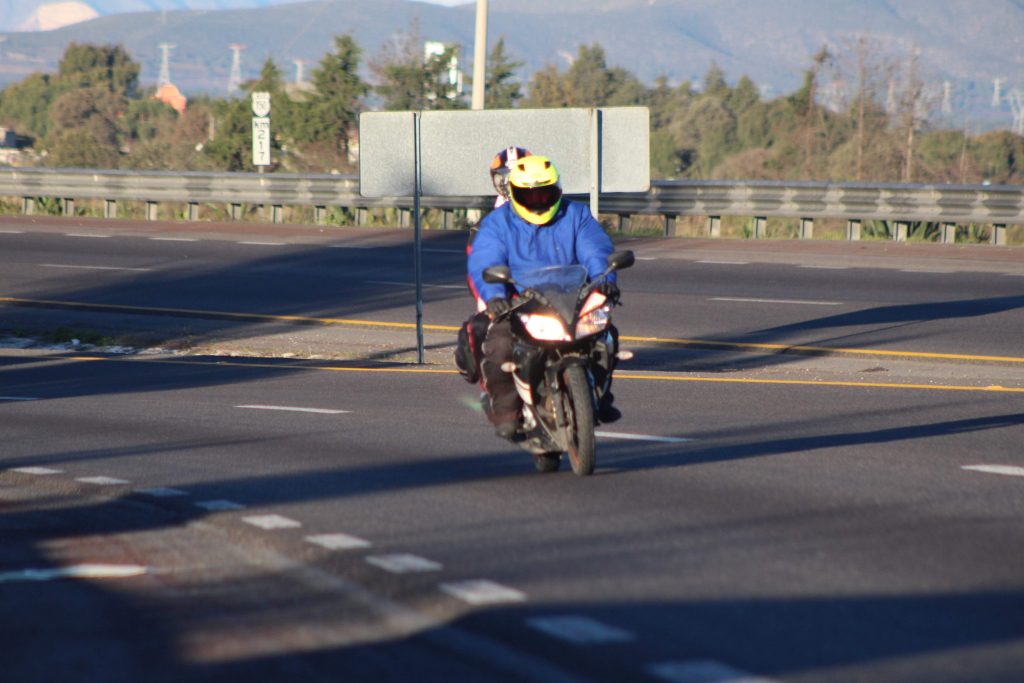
(108,66)
(501,91)
(547,89)
(330,117)
(81,148)
(25,106)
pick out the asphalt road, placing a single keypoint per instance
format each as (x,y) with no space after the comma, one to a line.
(792,517)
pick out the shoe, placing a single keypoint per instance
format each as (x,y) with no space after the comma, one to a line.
(505,425)
(606,411)
(505,430)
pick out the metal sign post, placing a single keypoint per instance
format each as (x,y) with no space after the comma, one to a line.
(417,233)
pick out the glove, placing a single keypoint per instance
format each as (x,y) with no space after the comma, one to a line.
(498,307)
(610,290)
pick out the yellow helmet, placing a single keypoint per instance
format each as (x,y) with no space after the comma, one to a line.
(536,193)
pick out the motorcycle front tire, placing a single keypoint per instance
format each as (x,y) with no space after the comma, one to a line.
(579,408)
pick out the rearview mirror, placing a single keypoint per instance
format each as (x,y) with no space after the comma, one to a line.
(498,275)
(620,260)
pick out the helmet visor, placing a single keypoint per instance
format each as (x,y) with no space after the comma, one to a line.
(537,199)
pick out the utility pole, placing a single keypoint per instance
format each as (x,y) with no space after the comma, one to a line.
(165,64)
(480,55)
(235,80)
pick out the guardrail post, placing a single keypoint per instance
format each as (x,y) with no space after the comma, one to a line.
(404,218)
(235,211)
(760,227)
(152,211)
(999,234)
(900,230)
(670,225)
(193,211)
(853,229)
(949,233)
(360,216)
(806,228)
(69,206)
(714,226)
(28,205)
(110,208)
(319,215)
(277,213)
(624,219)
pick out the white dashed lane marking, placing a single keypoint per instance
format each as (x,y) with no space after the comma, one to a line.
(36,470)
(295,409)
(404,564)
(642,437)
(174,239)
(264,244)
(702,671)
(580,630)
(18,398)
(102,481)
(482,592)
(725,263)
(12,232)
(78,571)
(76,267)
(82,234)
(1006,470)
(798,302)
(270,522)
(163,492)
(219,505)
(338,541)
(814,267)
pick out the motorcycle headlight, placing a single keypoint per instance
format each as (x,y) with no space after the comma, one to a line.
(593,322)
(545,327)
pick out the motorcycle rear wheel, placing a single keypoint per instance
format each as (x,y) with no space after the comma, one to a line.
(579,408)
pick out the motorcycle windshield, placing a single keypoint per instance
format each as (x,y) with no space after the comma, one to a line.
(559,285)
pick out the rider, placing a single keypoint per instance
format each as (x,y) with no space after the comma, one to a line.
(535,229)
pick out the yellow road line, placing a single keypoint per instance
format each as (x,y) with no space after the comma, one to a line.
(694,343)
(621,375)
(265,317)
(820,350)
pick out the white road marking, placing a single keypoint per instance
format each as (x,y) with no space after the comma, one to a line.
(642,437)
(264,244)
(102,481)
(800,302)
(927,270)
(392,283)
(404,564)
(1008,470)
(482,592)
(66,265)
(269,522)
(646,258)
(702,671)
(338,541)
(36,470)
(219,505)
(814,267)
(12,232)
(580,630)
(725,263)
(294,409)
(174,239)
(82,234)
(78,571)
(352,246)
(163,492)
(18,398)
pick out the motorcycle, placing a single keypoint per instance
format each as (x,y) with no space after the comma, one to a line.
(562,358)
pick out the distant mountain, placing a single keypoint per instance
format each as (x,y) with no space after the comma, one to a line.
(966,42)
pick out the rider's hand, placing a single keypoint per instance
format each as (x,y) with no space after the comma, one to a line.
(610,290)
(497,307)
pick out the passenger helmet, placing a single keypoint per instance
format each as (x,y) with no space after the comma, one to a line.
(500,165)
(536,194)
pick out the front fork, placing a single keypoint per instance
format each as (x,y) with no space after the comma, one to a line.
(538,378)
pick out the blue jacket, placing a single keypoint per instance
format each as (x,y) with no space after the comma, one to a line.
(573,236)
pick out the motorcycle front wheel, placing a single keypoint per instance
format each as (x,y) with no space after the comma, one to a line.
(579,409)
